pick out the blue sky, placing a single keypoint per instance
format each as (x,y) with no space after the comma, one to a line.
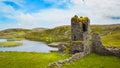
(52,13)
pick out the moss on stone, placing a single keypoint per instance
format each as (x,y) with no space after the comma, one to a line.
(80,19)
(75,18)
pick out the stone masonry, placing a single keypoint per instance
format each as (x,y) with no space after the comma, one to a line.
(81,45)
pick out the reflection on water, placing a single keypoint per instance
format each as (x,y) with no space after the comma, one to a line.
(29,46)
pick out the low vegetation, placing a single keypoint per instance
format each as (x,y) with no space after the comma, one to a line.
(110,34)
(13,33)
(15,39)
(95,61)
(41,60)
(10,44)
(57,34)
(28,60)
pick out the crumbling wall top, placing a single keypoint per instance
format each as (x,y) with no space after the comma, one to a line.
(81,19)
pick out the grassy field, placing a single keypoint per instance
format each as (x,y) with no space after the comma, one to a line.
(27,60)
(10,44)
(95,61)
(41,60)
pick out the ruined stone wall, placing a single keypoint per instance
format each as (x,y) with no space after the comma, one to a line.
(80,46)
(97,47)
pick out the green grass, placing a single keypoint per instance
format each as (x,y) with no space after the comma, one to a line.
(95,61)
(15,39)
(27,60)
(112,39)
(10,44)
(41,60)
(58,34)
(13,33)
(110,34)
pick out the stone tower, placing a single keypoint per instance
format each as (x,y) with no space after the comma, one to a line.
(80,28)
(80,34)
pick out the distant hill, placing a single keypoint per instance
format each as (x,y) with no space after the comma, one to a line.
(39,29)
(12,33)
(110,34)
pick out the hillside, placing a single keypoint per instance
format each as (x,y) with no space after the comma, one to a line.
(110,34)
(13,33)
(61,33)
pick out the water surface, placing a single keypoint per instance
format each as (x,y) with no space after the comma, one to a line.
(29,46)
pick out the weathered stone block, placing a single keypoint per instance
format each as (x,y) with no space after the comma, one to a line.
(77,46)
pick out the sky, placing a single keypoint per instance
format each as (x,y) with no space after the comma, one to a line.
(51,13)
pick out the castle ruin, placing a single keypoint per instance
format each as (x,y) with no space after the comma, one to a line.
(81,44)
(80,28)
(80,34)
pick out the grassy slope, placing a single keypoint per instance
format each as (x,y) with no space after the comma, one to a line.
(110,34)
(9,44)
(57,34)
(95,61)
(27,60)
(13,33)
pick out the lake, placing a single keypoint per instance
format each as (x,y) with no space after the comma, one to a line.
(29,46)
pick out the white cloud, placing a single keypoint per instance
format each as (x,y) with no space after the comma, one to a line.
(45,18)
(97,10)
